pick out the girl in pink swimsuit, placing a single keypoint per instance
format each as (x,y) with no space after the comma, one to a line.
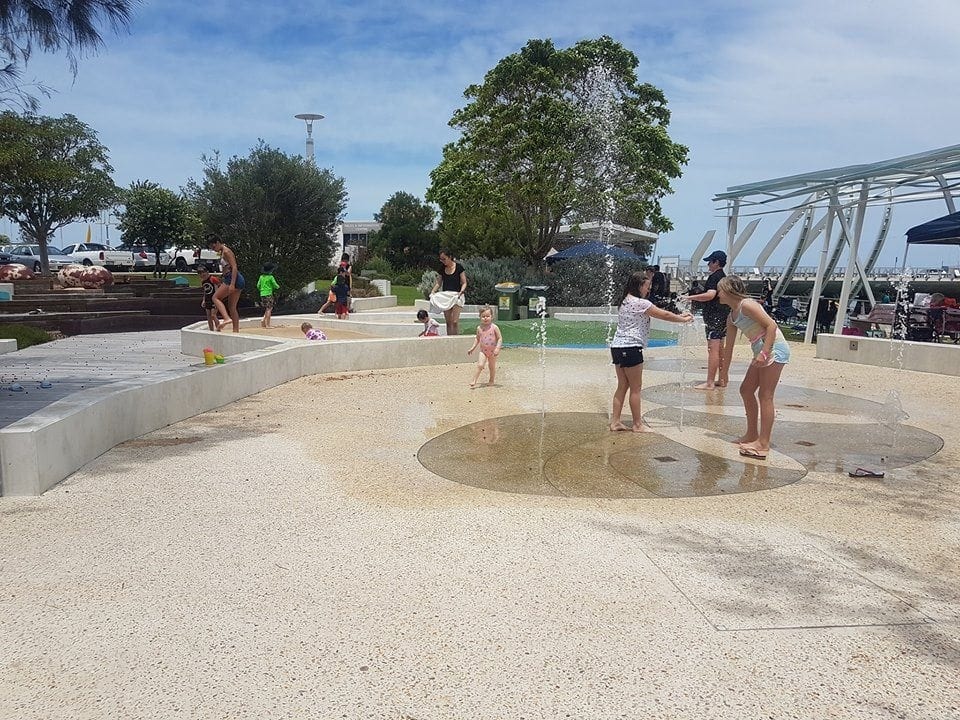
(489,341)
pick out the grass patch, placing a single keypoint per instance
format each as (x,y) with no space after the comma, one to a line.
(558,332)
(25,335)
(406,294)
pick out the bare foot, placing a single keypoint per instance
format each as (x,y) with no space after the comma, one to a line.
(642,428)
(755,448)
(722,383)
(618,426)
(490,384)
(743,440)
(705,386)
(472,385)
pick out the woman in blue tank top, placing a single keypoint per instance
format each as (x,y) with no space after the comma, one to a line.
(770,353)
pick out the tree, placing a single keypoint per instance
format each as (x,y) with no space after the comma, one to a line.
(53,171)
(153,216)
(51,26)
(405,238)
(273,207)
(554,136)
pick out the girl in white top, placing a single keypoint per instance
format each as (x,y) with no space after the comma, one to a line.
(626,348)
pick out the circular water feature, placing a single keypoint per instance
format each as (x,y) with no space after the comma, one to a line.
(576,455)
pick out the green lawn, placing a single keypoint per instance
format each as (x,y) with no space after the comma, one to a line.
(406,294)
(558,332)
(24,335)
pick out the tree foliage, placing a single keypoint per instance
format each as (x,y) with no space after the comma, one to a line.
(273,207)
(559,136)
(52,26)
(153,216)
(406,238)
(53,171)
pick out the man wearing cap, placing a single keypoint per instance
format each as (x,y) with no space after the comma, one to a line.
(715,321)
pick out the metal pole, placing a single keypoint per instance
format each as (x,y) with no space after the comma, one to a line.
(852,262)
(832,209)
(732,230)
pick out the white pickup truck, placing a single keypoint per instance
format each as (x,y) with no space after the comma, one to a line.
(97,254)
(186,258)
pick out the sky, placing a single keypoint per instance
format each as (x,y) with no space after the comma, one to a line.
(757,90)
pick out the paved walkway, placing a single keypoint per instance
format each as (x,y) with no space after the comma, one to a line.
(79,362)
(288,556)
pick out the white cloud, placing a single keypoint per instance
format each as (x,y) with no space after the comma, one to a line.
(757,89)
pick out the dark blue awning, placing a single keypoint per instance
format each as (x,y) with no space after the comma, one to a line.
(942,231)
(593,247)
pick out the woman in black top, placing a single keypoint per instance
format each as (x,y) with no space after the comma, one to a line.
(453,278)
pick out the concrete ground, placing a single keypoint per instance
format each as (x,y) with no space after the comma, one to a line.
(288,556)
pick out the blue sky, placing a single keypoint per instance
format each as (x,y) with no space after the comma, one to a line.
(757,89)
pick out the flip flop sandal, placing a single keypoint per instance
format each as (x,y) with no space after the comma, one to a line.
(865,473)
(746,452)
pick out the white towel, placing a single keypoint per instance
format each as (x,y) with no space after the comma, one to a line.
(444,300)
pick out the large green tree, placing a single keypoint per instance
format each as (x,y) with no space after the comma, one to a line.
(53,171)
(406,237)
(153,216)
(70,26)
(560,136)
(270,206)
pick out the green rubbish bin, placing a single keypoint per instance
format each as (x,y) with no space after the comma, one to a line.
(507,306)
(536,302)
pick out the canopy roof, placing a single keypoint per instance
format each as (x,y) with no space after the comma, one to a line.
(921,176)
(942,231)
(593,247)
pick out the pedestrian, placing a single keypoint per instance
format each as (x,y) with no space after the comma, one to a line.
(227,295)
(452,284)
(267,284)
(431,328)
(341,291)
(209,283)
(489,340)
(310,333)
(628,343)
(715,322)
(770,353)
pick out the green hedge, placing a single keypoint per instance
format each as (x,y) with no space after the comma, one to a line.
(589,282)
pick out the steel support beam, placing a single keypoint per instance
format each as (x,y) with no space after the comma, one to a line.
(832,209)
(852,262)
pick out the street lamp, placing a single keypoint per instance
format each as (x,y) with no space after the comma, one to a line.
(309,118)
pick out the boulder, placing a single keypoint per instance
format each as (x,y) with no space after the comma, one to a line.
(15,271)
(89,277)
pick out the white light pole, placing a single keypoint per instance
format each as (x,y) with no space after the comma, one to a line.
(309,118)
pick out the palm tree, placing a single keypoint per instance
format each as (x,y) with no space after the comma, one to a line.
(52,26)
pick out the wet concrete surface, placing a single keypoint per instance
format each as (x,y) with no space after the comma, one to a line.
(576,455)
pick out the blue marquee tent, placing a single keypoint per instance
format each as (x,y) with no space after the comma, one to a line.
(591,248)
(942,231)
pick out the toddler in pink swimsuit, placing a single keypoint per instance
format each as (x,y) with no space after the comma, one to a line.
(489,340)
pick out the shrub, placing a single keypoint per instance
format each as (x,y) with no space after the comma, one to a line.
(379,266)
(427,280)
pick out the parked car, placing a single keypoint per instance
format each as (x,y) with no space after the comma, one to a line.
(185,258)
(6,258)
(99,254)
(29,255)
(143,258)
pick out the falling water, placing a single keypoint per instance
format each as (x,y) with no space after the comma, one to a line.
(893,413)
(602,117)
(683,336)
(540,328)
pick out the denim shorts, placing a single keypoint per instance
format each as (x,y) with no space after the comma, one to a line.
(627,357)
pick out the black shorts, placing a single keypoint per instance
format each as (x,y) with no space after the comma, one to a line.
(627,357)
(716,332)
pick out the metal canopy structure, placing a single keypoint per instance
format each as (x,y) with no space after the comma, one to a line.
(817,202)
